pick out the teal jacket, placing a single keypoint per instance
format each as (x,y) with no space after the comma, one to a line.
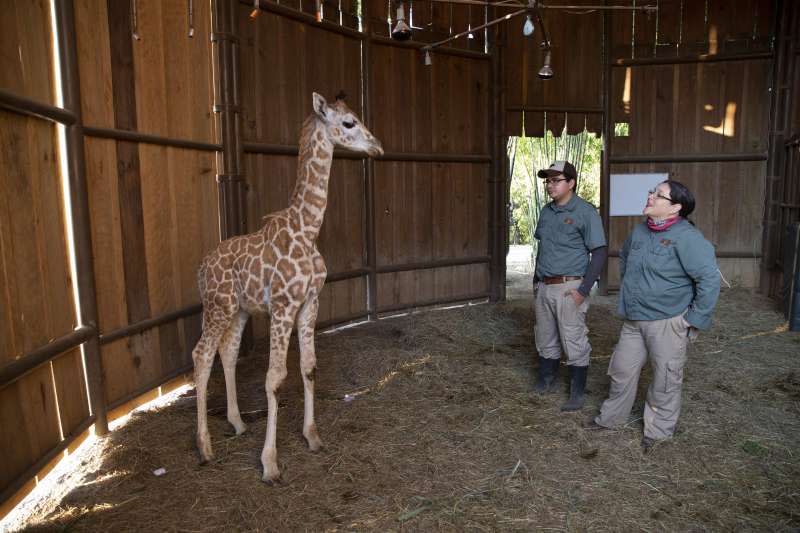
(666,273)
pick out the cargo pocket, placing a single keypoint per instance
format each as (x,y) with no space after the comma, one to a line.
(674,375)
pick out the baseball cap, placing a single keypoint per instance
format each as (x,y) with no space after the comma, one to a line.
(559,167)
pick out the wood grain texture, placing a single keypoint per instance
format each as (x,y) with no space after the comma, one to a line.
(36,294)
(25,50)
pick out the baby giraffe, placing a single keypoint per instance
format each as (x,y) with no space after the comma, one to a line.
(276,270)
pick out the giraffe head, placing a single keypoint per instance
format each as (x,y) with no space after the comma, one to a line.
(343,127)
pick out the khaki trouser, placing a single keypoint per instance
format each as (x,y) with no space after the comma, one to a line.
(665,342)
(561,324)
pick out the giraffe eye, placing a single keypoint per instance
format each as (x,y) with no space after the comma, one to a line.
(348,125)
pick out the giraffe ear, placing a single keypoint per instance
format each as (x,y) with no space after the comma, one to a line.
(320,106)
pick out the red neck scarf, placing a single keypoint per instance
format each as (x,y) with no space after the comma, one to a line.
(664,224)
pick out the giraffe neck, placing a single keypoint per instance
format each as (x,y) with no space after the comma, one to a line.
(310,196)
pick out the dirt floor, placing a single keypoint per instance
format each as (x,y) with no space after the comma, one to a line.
(442,435)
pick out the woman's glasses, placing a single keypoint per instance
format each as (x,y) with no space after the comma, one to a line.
(657,194)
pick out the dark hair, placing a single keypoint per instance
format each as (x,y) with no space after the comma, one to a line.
(679,194)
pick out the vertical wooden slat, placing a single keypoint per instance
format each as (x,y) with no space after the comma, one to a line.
(25,44)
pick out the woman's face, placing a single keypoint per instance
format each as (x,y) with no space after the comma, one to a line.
(659,204)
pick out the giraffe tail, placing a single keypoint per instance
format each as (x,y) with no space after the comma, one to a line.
(201,278)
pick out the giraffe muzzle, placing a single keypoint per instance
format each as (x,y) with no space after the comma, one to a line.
(376,149)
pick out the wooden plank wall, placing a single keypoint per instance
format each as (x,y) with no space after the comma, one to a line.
(695,108)
(36,300)
(577,62)
(428,211)
(416,109)
(784,195)
(153,208)
(431,211)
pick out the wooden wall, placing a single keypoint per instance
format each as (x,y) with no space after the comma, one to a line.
(703,110)
(153,208)
(43,406)
(577,62)
(426,209)
(431,211)
(783,192)
(681,108)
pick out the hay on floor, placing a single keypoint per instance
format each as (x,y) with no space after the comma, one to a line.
(441,434)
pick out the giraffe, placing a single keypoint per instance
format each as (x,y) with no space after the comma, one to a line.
(277,271)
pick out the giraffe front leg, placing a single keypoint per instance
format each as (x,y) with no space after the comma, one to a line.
(306,321)
(280,331)
(229,353)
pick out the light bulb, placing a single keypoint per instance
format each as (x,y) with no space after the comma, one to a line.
(528,28)
(546,72)
(401,31)
(428,61)
(469,29)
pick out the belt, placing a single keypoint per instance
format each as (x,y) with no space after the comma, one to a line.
(554,280)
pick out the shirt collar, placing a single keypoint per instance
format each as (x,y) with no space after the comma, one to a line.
(569,206)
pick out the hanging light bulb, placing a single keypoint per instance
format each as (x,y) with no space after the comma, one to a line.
(401,31)
(546,72)
(528,28)
(469,29)
(428,61)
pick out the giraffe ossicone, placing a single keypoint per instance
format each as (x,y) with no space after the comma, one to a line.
(277,271)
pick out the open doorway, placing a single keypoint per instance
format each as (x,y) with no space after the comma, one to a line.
(526,156)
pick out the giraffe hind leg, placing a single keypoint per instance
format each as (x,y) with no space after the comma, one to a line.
(306,320)
(203,357)
(281,322)
(229,353)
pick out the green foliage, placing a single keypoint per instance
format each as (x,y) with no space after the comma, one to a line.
(528,155)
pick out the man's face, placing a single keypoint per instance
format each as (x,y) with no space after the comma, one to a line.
(558,186)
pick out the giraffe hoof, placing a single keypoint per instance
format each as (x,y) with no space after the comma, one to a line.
(273,481)
(239,428)
(314,443)
(206,452)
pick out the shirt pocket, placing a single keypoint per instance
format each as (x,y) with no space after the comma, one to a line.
(663,249)
(636,252)
(569,233)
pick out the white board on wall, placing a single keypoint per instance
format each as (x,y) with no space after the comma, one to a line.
(628,194)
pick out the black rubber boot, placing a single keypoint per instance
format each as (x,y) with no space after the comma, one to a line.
(548,372)
(577,388)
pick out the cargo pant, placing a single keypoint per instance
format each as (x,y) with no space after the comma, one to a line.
(560,324)
(664,342)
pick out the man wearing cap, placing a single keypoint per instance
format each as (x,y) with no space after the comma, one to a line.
(572,253)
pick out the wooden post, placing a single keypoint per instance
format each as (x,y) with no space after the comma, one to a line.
(608,131)
(369,168)
(498,184)
(79,196)
(225,46)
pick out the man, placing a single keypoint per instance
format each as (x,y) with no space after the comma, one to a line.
(572,252)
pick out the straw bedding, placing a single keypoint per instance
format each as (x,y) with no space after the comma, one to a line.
(440,433)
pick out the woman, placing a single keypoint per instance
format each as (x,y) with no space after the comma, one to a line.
(670,286)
